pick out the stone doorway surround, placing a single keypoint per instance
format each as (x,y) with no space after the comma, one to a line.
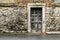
(41,5)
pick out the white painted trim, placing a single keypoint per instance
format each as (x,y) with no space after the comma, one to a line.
(42,5)
(39,4)
(43,19)
(29,25)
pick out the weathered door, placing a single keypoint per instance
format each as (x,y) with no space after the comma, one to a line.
(36,19)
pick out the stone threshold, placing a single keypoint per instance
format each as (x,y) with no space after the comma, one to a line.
(57,32)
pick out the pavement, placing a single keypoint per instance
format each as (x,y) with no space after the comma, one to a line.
(29,37)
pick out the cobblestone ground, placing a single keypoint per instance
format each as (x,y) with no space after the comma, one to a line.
(25,37)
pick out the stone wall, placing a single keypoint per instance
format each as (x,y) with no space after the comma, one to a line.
(52,17)
(13,18)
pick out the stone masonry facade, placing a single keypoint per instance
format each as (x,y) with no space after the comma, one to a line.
(15,18)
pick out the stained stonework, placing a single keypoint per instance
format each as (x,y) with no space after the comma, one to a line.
(25,2)
(13,18)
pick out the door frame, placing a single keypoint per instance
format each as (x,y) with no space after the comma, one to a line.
(42,5)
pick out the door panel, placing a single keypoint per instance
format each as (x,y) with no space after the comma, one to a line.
(36,19)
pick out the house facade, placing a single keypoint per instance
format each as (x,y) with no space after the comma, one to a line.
(30,16)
